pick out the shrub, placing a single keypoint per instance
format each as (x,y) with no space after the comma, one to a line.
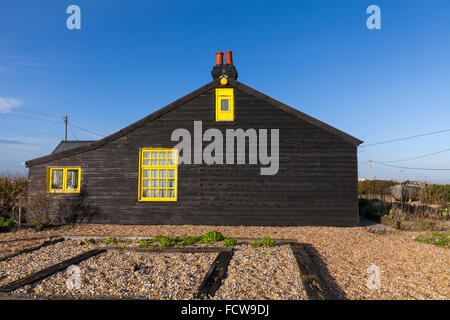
(112,240)
(264,242)
(229,242)
(187,241)
(73,209)
(91,241)
(11,188)
(165,241)
(41,207)
(211,236)
(37,226)
(144,243)
(6,224)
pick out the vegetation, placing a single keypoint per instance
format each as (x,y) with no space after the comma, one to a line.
(441,239)
(41,208)
(435,194)
(112,240)
(264,242)
(374,188)
(211,236)
(91,241)
(187,241)
(229,242)
(145,243)
(72,209)
(37,226)
(6,224)
(166,241)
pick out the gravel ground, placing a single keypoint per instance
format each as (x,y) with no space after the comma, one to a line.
(24,264)
(408,269)
(161,276)
(23,239)
(262,273)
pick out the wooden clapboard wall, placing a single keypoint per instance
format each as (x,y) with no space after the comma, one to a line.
(316,183)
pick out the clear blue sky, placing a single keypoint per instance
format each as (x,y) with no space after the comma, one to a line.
(133,57)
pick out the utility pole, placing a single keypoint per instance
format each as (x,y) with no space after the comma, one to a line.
(370,169)
(65,128)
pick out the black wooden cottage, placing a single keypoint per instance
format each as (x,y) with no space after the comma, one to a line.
(134,177)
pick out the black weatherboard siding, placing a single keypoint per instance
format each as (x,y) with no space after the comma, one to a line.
(316,183)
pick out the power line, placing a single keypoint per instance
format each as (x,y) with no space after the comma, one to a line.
(418,157)
(71,129)
(405,138)
(55,116)
(86,130)
(430,169)
(35,112)
(85,125)
(30,118)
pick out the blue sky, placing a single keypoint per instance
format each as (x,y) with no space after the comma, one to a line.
(132,57)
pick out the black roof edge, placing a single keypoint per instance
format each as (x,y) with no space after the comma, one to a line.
(62,142)
(184,99)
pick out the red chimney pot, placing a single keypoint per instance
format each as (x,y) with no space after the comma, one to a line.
(228,57)
(219,58)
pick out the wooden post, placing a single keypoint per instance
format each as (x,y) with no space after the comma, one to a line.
(20,215)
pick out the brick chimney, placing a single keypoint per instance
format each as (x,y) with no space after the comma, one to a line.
(224,70)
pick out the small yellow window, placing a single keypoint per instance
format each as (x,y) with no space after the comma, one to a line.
(158,174)
(224,104)
(63,180)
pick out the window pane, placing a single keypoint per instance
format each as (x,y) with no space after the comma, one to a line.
(170,154)
(162,193)
(154,183)
(170,193)
(154,154)
(171,183)
(146,193)
(162,154)
(162,162)
(154,162)
(154,193)
(72,179)
(154,173)
(146,154)
(162,183)
(146,162)
(171,173)
(162,173)
(57,179)
(170,162)
(224,105)
(146,173)
(146,183)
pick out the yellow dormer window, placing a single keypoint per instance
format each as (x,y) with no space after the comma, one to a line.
(224,104)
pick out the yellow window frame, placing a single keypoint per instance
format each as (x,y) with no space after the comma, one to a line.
(149,163)
(50,171)
(224,94)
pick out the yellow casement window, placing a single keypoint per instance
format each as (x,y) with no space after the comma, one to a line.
(224,104)
(63,180)
(158,174)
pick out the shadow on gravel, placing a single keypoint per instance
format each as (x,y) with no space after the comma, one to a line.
(321,267)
